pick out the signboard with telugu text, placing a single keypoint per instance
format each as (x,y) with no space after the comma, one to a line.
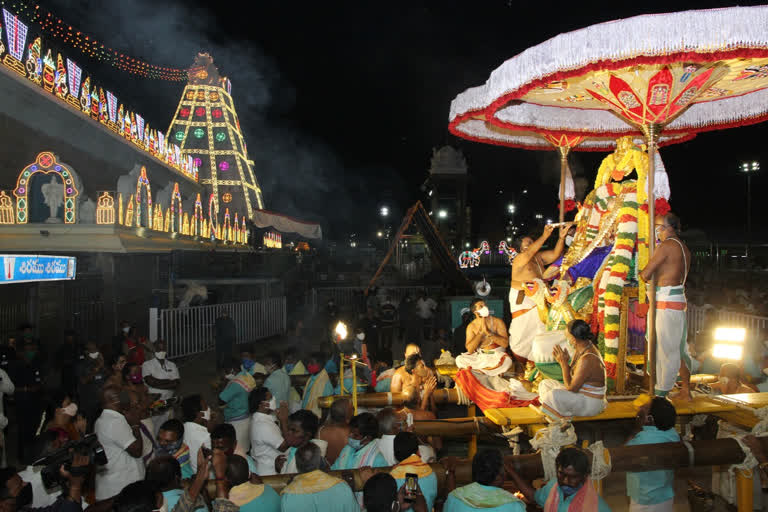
(20,268)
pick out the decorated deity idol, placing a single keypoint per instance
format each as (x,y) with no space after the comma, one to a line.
(95,105)
(85,96)
(34,63)
(49,72)
(60,80)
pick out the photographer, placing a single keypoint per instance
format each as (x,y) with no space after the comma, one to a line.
(16,494)
(46,443)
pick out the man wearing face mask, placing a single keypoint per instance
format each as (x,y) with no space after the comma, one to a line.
(170,441)
(234,398)
(91,375)
(362,448)
(278,382)
(729,381)
(318,385)
(653,491)
(119,432)
(267,441)
(16,494)
(571,491)
(196,415)
(670,265)
(162,378)
(487,341)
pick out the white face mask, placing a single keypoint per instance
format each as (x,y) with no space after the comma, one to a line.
(93,355)
(207,414)
(568,240)
(229,376)
(70,410)
(273,403)
(483,312)
(160,355)
(126,329)
(725,380)
(361,336)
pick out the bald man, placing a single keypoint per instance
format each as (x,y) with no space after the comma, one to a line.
(402,378)
(118,431)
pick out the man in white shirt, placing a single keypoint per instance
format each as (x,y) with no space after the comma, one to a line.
(196,415)
(162,379)
(425,309)
(119,433)
(267,442)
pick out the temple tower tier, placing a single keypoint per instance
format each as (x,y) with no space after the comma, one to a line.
(206,127)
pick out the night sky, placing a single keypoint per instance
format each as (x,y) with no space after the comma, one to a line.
(341,103)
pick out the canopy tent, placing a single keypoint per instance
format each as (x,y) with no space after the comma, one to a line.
(284,224)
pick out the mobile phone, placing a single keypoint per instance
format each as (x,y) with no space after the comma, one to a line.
(411,486)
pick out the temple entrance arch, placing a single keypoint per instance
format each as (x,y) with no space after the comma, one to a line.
(58,193)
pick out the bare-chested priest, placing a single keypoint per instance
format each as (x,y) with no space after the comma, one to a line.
(528,265)
(486,344)
(670,264)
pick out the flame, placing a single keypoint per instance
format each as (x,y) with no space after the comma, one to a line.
(341,331)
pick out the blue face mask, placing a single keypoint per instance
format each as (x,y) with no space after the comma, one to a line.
(289,367)
(568,490)
(355,444)
(247,364)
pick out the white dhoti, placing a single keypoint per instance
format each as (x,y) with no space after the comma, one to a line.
(525,324)
(243,432)
(491,362)
(666,506)
(557,402)
(671,336)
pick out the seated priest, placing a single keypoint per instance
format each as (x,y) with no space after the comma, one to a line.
(401,378)
(487,342)
(582,392)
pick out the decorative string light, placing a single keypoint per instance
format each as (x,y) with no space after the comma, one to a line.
(89,46)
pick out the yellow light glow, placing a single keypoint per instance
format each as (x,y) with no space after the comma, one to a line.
(732,334)
(341,331)
(725,351)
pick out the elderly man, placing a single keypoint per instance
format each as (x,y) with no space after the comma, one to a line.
(485,492)
(571,490)
(249,495)
(528,265)
(119,432)
(670,265)
(487,341)
(335,432)
(313,490)
(162,378)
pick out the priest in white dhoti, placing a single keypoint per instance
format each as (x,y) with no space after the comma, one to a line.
(487,341)
(528,265)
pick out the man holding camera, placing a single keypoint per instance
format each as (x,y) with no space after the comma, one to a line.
(16,494)
(119,432)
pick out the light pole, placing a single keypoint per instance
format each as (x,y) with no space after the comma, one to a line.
(749,168)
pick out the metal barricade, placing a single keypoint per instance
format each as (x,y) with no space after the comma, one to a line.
(189,331)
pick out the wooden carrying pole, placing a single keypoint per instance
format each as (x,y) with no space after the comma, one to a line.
(648,457)
(441,396)
(652,132)
(563,169)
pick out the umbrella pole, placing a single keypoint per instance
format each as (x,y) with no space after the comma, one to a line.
(563,168)
(652,133)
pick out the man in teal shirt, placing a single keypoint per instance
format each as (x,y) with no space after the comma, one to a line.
(653,490)
(249,496)
(485,492)
(279,382)
(234,397)
(571,491)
